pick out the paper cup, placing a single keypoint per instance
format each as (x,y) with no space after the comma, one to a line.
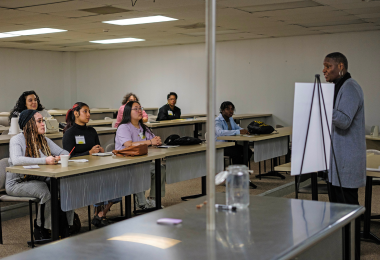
(376,130)
(65,160)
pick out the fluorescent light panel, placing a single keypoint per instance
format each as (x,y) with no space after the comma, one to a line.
(36,31)
(118,40)
(30,32)
(5,35)
(141,20)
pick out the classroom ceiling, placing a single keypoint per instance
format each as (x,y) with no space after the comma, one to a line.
(236,20)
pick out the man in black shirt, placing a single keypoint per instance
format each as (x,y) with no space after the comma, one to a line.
(169,111)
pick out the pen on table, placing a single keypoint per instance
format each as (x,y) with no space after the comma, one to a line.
(225,207)
(72,150)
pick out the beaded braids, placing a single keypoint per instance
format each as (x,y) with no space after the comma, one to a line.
(34,141)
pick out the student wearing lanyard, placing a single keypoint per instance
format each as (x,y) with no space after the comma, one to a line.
(126,99)
(224,126)
(85,141)
(169,111)
(132,131)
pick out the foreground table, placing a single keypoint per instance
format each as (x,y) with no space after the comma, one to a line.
(271,228)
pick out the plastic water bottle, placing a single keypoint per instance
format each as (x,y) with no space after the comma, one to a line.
(237,186)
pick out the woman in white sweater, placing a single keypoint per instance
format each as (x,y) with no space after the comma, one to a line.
(29,148)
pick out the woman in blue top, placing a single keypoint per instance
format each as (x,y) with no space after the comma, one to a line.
(224,126)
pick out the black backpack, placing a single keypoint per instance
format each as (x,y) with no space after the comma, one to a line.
(258,128)
(177,140)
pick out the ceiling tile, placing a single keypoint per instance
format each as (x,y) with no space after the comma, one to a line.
(145,5)
(348,28)
(369,10)
(241,3)
(7,14)
(60,7)
(24,3)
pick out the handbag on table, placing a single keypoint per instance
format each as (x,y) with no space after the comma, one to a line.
(134,150)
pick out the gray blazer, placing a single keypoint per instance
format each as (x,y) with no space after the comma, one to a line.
(348,135)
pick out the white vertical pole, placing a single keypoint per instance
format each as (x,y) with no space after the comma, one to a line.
(210,155)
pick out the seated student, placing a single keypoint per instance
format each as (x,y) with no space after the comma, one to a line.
(224,126)
(76,132)
(132,131)
(28,148)
(126,99)
(169,111)
(28,100)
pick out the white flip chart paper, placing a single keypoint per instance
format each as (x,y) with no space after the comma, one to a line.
(314,159)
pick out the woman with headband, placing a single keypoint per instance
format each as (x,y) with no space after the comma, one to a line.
(28,148)
(83,140)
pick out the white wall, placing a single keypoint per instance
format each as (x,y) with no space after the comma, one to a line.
(256,75)
(22,70)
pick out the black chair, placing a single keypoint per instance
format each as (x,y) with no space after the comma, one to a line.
(6,198)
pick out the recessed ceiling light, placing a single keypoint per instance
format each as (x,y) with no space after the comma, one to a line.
(141,20)
(36,31)
(5,35)
(118,40)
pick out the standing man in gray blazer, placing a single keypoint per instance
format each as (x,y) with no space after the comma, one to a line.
(348,132)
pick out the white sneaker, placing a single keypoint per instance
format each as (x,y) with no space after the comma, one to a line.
(152,202)
(141,205)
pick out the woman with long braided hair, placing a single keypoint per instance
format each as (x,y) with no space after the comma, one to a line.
(29,148)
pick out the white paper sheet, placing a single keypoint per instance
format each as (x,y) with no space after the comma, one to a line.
(32,167)
(102,154)
(77,160)
(314,159)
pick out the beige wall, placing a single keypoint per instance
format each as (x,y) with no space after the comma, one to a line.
(256,75)
(22,70)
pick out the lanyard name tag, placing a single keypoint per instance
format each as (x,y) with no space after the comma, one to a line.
(170,113)
(79,139)
(142,136)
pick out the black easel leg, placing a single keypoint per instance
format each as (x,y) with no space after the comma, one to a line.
(314,186)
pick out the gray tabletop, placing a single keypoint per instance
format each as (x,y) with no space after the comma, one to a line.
(270,228)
